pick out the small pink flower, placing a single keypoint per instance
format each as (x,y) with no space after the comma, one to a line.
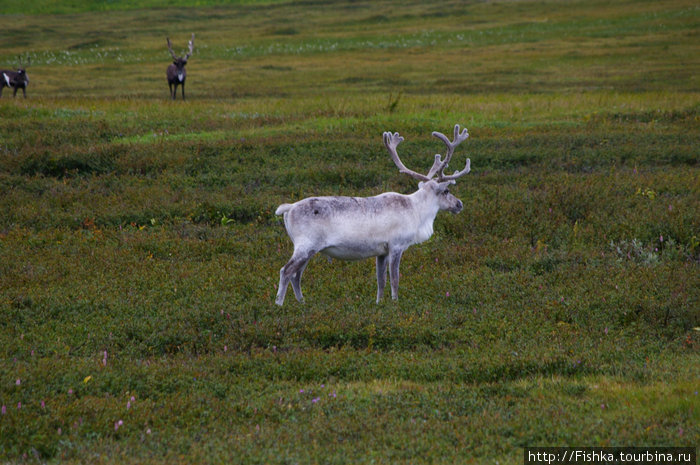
(148,431)
(19,405)
(18,382)
(225,348)
(43,404)
(605,330)
(117,424)
(133,399)
(3,410)
(70,392)
(315,399)
(128,405)
(59,431)
(661,238)
(447,294)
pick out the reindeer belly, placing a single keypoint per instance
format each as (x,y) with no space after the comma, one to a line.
(356,251)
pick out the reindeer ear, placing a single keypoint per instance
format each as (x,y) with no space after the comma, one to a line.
(446,184)
(431,185)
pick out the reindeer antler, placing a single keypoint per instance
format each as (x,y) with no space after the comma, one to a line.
(391,141)
(459,137)
(170,48)
(22,65)
(190,45)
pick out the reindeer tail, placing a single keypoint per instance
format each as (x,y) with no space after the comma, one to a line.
(284,208)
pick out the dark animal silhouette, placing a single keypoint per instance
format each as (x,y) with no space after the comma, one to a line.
(15,79)
(176,71)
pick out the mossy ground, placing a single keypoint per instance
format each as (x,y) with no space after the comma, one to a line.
(139,251)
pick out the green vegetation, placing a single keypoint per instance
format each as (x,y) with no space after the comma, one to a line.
(139,250)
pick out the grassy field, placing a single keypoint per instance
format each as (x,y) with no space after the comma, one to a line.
(140,253)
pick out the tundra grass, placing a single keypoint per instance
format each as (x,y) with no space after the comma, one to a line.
(140,252)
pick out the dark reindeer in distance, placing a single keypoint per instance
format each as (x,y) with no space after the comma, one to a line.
(176,71)
(15,79)
(384,226)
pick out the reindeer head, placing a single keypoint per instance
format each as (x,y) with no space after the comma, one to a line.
(180,62)
(22,70)
(435,182)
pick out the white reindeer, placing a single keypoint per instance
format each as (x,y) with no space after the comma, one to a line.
(384,226)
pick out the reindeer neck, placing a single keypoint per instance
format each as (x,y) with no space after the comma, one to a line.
(426,203)
(426,209)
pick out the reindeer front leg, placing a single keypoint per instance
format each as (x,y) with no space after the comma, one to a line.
(381,275)
(394,262)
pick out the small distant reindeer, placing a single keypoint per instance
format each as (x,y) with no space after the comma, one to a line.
(176,71)
(384,226)
(15,79)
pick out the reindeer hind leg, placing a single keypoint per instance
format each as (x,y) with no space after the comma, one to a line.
(291,271)
(296,282)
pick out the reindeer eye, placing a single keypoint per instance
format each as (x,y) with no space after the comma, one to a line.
(445,192)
